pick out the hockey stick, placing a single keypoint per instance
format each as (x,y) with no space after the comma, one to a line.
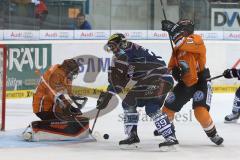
(170,38)
(95,120)
(165,18)
(216,77)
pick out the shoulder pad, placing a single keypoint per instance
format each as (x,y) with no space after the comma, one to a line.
(194,38)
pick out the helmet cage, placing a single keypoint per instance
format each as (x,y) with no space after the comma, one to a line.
(71,68)
(116,42)
(182,28)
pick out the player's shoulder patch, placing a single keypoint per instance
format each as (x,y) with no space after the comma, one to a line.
(197,39)
(190,40)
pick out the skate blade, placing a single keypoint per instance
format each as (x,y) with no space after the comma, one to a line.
(172,148)
(129,146)
(27,136)
(97,136)
(233,121)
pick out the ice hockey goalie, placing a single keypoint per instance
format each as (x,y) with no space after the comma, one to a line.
(56,106)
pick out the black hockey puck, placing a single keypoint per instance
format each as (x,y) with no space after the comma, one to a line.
(105,136)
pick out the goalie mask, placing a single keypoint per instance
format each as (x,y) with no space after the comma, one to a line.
(116,43)
(71,68)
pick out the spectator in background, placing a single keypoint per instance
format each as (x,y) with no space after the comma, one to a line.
(41,11)
(81,22)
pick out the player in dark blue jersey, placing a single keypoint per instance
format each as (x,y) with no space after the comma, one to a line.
(152,83)
(234,116)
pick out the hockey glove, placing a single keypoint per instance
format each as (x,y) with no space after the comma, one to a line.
(103,100)
(59,97)
(79,101)
(177,73)
(68,106)
(167,25)
(203,75)
(230,73)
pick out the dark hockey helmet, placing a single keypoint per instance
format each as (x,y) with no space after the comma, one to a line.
(71,68)
(116,42)
(183,28)
(187,27)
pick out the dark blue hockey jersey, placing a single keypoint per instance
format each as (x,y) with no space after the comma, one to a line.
(134,62)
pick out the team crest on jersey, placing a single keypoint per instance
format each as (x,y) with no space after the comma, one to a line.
(198,96)
(171,97)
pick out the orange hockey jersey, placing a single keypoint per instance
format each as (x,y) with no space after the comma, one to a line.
(56,78)
(190,50)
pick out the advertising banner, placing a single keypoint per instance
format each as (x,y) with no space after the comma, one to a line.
(21,35)
(23,61)
(210,35)
(56,34)
(95,61)
(225,19)
(157,34)
(91,34)
(231,35)
(220,34)
(132,34)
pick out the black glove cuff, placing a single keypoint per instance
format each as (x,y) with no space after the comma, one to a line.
(235,73)
(204,74)
(176,73)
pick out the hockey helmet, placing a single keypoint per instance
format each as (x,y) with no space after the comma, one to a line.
(116,42)
(183,28)
(71,68)
(187,27)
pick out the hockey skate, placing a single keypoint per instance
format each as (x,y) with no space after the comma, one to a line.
(156,133)
(232,118)
(217,139)
(131,142)
(170,144)
(27,134)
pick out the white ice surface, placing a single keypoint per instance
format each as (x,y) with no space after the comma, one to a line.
(194,144)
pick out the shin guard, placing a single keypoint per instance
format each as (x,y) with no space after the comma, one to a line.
(130,122)
(164,126)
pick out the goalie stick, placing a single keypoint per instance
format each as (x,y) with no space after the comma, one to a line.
(95,120)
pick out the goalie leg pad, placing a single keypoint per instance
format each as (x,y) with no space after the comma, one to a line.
(57,130)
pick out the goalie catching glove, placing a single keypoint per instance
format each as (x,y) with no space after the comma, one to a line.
(70,105)
(104,99)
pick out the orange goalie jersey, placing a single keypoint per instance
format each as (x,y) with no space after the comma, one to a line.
(56,78)
(190,50)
